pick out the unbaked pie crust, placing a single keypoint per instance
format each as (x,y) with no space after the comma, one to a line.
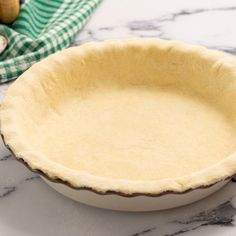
(135,116)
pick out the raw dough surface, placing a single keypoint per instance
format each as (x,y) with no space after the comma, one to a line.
(144,116)
(136,134)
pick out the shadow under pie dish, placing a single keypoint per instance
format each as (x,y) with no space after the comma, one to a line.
(134,124)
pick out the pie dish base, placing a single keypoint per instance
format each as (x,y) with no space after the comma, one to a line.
(135,204)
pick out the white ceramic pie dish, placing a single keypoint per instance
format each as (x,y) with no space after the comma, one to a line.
(136,124)
(137,203)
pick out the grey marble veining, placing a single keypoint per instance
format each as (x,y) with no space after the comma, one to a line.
(29,207)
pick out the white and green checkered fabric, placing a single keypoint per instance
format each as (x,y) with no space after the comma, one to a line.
(43,27)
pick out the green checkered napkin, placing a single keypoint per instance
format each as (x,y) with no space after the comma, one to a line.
(43,27)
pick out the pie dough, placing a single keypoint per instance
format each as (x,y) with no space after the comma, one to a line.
(132,116)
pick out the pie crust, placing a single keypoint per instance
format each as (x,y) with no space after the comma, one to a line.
(132,117)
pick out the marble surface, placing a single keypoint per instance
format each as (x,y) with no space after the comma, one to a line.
(29,207)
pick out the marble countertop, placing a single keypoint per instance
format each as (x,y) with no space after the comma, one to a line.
(29,207)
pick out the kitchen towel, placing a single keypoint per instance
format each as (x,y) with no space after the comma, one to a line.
(43,27)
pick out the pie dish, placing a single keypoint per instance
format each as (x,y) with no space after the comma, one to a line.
(133,117)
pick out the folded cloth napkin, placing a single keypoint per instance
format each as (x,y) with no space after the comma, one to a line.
(43,27)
